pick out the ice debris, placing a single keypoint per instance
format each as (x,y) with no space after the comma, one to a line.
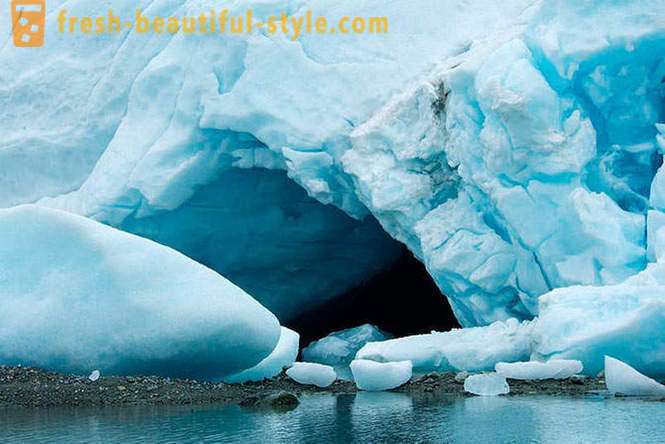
(311,373)
(379,376)
(487,384)
(623,379)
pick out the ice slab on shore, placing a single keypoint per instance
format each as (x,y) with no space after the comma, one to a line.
(487,384)
(622,378)
(76,295)
(552,369)
(470,349)
(311,373)
(284,355)
(378,376)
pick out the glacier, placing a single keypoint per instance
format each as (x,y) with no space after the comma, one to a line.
(515,149)
(77,296)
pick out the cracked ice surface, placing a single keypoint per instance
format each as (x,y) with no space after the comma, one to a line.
(514,148)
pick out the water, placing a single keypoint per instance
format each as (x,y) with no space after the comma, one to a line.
(366,417)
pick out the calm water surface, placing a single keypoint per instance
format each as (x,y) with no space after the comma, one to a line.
(366,417)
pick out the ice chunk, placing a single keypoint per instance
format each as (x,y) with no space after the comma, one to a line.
(378,376)
(622,378)
(312,373)
(552,369)
(339,348)
(487,384)
(471,349)
(284,355)
(76,294)
(94,376)
(588,322)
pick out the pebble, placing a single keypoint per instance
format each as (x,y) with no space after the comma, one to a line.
(461,377)
(578,379)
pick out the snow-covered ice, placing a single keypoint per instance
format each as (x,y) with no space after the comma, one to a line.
(319,375)
(487,384)
(339,348)
(552,369)
(378,376)
(622,378)
(471,349)
(76,295)
(284,355)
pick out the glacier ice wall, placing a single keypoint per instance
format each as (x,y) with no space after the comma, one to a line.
(514,148)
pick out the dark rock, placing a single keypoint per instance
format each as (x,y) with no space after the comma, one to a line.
(283,400)
(578,379)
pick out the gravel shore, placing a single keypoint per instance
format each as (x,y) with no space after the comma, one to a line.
(32,387)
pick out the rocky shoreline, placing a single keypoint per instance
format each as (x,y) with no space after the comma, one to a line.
(33,388)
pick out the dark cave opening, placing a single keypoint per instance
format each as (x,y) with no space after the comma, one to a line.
(402,300)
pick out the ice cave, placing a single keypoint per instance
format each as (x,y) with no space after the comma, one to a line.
(484,193)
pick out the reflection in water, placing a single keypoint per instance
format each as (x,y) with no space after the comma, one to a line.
(365,417)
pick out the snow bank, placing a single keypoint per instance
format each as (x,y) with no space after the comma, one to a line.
(310,373)
(471,349)
(378,376)
(78,295)
(487,384)
(622,378)
(552,369)
(284,355)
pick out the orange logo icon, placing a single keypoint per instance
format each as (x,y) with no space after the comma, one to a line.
(28,22)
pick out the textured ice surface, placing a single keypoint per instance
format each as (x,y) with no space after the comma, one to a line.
(552,369)
(622,378)
(515,147)
(78,295)
(311,373)
(625,320)
(284,355)
(378,376)
(139,130)
(471,349)
(487,384)
(339,348)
